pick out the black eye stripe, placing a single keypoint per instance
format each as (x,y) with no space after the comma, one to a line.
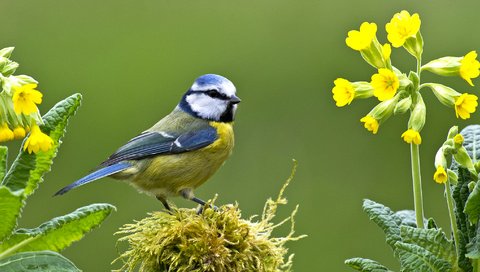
(216,94)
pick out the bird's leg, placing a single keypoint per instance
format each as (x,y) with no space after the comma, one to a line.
(187,193)
(164,202)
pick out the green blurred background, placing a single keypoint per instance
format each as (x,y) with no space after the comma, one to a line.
(132,60)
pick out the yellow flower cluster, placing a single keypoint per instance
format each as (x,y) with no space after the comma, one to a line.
(452,147)
(19,114)
(399,92)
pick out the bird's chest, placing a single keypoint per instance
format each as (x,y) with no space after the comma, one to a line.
(222,147)
(171,173)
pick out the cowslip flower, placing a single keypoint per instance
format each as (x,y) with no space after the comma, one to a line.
(26,98)
(343,92)
(401,27)
(19,133)
(6,134)
(465,104)
(385,84)
(458,139)
(469,67)
(37,141)
(361,40)
(370,123)
(440,175)
(412,136)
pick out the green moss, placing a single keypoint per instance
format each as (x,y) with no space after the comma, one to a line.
(211,241)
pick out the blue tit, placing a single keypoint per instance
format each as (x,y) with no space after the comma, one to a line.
(182,150)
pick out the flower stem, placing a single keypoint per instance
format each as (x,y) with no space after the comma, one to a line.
(419,67)
(453,222)
(417,185)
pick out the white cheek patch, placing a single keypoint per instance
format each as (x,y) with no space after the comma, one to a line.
(206,106)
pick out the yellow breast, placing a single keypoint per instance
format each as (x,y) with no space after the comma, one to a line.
(225,141)
(168,174)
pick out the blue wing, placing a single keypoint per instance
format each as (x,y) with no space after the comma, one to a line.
(146,145)
(154,143)
(98,174)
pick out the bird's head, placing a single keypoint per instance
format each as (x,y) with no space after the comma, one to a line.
(211,97)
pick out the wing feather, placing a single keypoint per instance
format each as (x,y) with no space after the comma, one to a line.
(153,143)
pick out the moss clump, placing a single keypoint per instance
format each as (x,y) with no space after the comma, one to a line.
(211,241)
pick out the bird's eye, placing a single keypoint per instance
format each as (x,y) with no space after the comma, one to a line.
(213,93)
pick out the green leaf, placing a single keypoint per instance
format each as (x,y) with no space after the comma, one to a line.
(59,232)
(407,217)
(28,169)
(10,207)
(466,232)
(433,240)
(366,265)
(415,258)
(385,219)
(43,261)
(473,247)
(472,206)
(3,161)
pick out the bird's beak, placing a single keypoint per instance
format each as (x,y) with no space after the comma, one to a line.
(235,100)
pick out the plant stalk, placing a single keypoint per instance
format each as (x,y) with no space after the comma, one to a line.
(10,251)
(417,185)
(453,221)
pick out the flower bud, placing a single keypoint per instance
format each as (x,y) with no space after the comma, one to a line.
(452,177)
(414,79)
(444,94)
(418,115)
(452,132)
(384,109)
(374,55)
(24,79)
(403,105)
(464,159)
(458,140)
(363,89)
(440,159)
(6,52)
(446,66)
(414,45)
(9,68)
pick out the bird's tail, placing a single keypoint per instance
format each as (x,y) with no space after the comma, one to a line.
(98,174)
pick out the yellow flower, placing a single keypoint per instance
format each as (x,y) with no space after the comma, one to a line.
(19,132)
(412,136)
(469,67)
(25,99)
(386,51)
(401,27)
(371,124)
(360,40)
(6,134)
(465,104)
(385,84)
(343,92)
(37,141)
(440,175)
(458,139)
